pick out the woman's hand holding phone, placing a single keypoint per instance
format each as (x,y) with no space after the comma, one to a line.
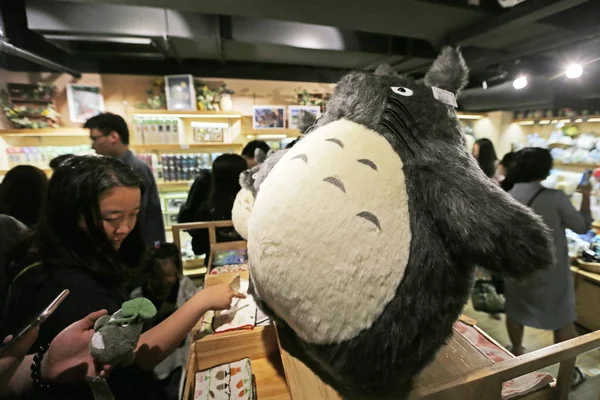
(68,358)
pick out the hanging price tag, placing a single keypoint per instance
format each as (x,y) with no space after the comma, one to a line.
(444,96)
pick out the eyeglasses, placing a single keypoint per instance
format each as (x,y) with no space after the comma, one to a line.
(94,138)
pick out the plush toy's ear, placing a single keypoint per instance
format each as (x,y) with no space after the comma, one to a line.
(385,70)
(449,71)
(306,120)
(100,322)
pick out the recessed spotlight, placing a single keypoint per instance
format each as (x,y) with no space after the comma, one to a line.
(574,71)
(520,82)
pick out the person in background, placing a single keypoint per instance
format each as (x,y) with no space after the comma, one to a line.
(168,289)
(22,193)
(225,185)
(249,152)
(110,137)
(547,299)
(56,161)
(67,360)
(11,233)
(502,170)
(88,241)
(484,153)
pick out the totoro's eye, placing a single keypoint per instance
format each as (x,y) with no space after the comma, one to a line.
(402,91)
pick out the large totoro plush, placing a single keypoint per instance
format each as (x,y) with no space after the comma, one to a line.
(363,237)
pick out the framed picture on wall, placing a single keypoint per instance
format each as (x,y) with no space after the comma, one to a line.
(294,113)
(180,92)
(84,102)
(268,117)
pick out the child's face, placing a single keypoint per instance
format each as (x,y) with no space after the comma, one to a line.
(167,276)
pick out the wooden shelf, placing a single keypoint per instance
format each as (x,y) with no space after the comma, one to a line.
(45,132)
(577,167)
(192,146)
(189,114)
(554,120)
(265,134)
(171,184)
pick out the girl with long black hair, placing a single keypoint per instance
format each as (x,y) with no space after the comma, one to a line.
(88,241)
(225,185)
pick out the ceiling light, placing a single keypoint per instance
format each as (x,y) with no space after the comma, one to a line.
(484,85)
(520,82)
(574,71)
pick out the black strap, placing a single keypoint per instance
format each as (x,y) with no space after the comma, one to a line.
(530,202)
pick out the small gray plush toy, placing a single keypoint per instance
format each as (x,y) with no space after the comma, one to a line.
(116,336)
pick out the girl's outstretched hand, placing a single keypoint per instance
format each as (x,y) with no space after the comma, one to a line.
(219,296)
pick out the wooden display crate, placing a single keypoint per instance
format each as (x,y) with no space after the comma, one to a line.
(259,344)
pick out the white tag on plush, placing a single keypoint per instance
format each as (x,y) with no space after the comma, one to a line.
(444,96)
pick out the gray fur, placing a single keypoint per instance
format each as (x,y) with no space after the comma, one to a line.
(305,121)
(385,70)
(449,71)
(252,179)
(458,219)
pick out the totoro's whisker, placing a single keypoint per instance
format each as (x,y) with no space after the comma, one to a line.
(398,135)
(369,216)
(401,122)
(399,104)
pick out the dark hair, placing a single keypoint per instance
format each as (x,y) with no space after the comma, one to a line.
(508,159)
(486,157)
(162,251)
(56,161)
(531,164)
(107,123)
(74,197)
(250,148)
(225,184)
(23,192)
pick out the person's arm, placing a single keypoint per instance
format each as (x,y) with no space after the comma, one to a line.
(67,360)
(14,363)
(159,342)
(577,221)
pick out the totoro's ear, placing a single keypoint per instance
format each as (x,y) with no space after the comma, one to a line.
(449,71)
(385,70)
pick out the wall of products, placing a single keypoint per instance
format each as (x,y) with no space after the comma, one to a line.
(178,166)
(40,156)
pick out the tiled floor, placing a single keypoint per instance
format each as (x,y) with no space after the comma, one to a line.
(536,339)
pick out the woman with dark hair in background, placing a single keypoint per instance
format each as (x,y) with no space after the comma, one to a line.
(22,193)
(547,299)
(88,241)
(225,185)
(484,153)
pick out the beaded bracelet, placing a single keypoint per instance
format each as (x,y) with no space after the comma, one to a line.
(36,369)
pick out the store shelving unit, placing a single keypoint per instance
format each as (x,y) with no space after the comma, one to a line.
(187,114)
(198,147)
(61,132)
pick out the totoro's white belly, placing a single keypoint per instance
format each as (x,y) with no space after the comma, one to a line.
(329,235)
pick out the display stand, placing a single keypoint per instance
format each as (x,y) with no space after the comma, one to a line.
(587,298)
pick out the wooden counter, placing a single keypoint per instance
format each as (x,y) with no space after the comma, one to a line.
(587,298)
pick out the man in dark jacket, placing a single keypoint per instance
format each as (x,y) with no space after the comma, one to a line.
(110,137)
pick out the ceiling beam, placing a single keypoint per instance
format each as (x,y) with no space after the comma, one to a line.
(524,13)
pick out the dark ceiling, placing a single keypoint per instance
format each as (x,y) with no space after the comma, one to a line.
(317,40)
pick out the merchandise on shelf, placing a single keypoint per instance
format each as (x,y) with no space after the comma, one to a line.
(40,156)
(207,133)
(177,167)
(156,130)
